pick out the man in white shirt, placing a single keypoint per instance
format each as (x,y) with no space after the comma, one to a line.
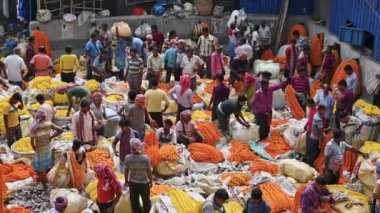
(155,65)
(244,47)
(206,44)
(265,35)
(190,65)
(15,67)
(352,78)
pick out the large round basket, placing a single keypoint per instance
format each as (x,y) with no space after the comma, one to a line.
(18,155)
(61,121)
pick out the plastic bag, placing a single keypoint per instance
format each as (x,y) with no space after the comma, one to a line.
(298,170)
(59,176)
(269,66)
(124,204)
(367,174)
(76,202)
(241,133)
(279,101)
(124,29)
(241,17)
(300,146)
(218,11)
(143,30)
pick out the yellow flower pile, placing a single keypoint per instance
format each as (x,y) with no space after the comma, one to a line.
(183,202)
(34,106)
(24,145)
(92,85)
(67,136)
(42,83)
(368,109)
(200,115)
(61,113)
(59,99)
(114,98)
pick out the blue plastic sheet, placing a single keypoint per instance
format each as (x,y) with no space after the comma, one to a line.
(255,146)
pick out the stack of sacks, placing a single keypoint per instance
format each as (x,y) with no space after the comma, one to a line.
(370,116)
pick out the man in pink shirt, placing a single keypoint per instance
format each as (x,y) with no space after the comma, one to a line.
(313,110)
(262,106)
(217,66)
(41,63)
(83,123)
(291,54)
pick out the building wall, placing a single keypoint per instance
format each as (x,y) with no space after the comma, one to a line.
(364,14)
(296,7)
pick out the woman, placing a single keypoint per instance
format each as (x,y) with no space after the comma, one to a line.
(249,88)
(109,189)
(239,66)
(120,53)
(183,95)
(40,140)
(187,130)
(77,163)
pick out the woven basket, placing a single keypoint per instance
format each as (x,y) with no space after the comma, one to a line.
(204,7)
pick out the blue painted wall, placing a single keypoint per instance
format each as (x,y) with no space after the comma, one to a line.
(364,14)
(296,7)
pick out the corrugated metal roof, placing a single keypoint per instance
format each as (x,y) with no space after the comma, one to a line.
(296,7)
(364,14)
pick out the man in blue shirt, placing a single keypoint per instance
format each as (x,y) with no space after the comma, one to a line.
(137,44)
(93,47)
(170,57)
(326,99)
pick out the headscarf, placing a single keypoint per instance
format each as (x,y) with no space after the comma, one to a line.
(136,144)
(39,117)
(110,177)
(149,37)
(60,203)
(184,81)
(249,79)
(97,96)
(140,101)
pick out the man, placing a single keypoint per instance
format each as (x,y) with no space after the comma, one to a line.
(123,137)
(239,66)
(155,65)
(83,123)
(220,93)
(229,107)
(73,90)
(99,68)
(134,71)
(48,110)
(41,63)
(303,59)
(351,127)
(12,118)
(170,60)
(301,86)
(352,78)
(256,45)
(92,48)
(214,203)
(29,55)
(262,106)
(291,54)
(69,64)
(314,139)
(206,44)
(187,130)
(138,177)
(244,47)
(138,114)
(153,100)
(124,110)
(301,42)
(106,37)
(137,44)
(256,204)
(345,101)
(326,99)
(99,111)
(312,111)
(15,68)
(334,154)
(314,195)
(327,69)
(190,65)
(265,35)
(217,66)
(158,37)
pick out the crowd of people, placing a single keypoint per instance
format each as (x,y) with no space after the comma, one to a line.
(159,56)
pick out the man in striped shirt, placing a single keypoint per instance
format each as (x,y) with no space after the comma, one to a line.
(134,71)
(301,86)
(206,44)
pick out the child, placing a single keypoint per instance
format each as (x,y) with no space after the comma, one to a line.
(166,135)
(256,204)
(124,137)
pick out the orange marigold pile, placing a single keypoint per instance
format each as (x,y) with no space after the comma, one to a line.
(237,178)
(99,156)
(168,153)
(240,152)
(265,166)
